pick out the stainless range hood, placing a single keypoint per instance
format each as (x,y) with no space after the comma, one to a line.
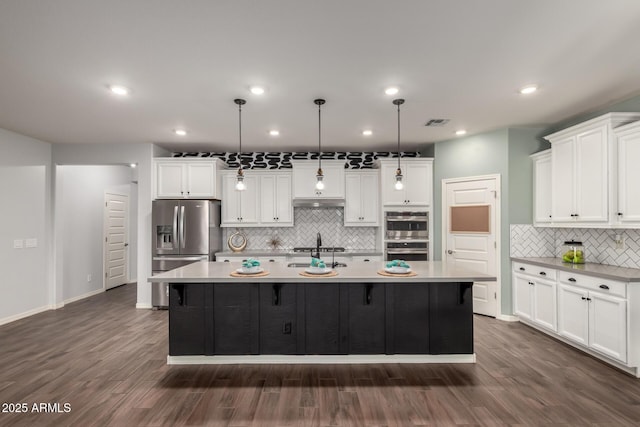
(318,203)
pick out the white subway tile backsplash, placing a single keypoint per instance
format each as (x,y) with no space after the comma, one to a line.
(329,222)
(600,247)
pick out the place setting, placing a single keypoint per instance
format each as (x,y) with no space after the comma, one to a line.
(397,268)
(318,268)
(250,268)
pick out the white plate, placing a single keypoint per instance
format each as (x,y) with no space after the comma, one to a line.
(252,270)
(317,270)
(397,270)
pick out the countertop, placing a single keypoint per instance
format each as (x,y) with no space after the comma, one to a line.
(355,272)
(598,270)
(290,252)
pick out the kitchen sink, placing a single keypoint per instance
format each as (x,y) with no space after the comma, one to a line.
(306,264)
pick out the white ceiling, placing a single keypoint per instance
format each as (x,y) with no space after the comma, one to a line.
(186,61)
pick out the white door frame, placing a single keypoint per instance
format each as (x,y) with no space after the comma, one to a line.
(443,196)
(127,218)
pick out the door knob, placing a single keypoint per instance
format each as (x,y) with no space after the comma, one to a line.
(450,251)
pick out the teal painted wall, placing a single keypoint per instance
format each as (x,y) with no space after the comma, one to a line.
(503,152)
(522,143)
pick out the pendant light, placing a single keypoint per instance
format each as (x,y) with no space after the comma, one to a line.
(399,185)
(319,175)
(240,185)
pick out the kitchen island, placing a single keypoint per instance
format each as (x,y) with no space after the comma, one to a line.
(356,316)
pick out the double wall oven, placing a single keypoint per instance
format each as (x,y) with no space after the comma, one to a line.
(406,235)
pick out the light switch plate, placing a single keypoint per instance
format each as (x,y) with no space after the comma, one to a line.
(31,243)
(18,244)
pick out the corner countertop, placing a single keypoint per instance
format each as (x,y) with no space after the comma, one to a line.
(355,272)
(604,271)
(289,252)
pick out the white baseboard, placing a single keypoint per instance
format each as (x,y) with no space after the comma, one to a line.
(508,318)
(324,359)
(25,314)
(144,305)
(83,296)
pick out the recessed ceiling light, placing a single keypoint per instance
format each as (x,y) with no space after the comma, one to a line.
(257,90)
(180,132)
(119,90)
(391,90)
(274,132)
(461,132)
(528,89)
(367,132)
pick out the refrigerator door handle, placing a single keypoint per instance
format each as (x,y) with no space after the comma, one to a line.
(182,227)
(175,227)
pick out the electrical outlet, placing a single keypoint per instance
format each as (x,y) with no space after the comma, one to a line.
(18,244)
(620,243)
(89,277)
(31,243)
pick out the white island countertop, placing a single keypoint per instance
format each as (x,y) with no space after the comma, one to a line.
(355,272)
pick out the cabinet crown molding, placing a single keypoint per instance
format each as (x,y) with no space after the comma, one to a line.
(615,120)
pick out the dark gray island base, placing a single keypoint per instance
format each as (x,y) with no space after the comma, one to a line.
(320,320)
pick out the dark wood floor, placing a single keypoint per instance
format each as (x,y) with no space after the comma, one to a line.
(107,360)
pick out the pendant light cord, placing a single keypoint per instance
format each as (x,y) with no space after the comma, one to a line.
(398,136)
(319,135)
(240,134)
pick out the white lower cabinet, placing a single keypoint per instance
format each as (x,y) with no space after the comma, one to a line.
(594,320)
(596,314)
(535,300)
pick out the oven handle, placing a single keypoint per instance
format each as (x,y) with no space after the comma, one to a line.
(406,218)
(406,252)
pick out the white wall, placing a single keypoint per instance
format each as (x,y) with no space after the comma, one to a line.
(25,213)
(113,154)
(80,201)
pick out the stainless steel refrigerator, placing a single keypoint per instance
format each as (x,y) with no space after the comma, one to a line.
(183,231)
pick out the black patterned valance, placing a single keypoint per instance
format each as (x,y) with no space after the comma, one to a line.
(274,160)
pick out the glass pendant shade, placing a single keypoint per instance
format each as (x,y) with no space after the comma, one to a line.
(399,185)
(240,185)
(319,180)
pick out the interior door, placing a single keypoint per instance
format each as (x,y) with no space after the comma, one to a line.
(116,235)
(471,229)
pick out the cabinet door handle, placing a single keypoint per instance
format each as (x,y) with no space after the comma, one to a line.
(521,268)
(367,294)
(275,296)
(571,279)
(584,298)
(619,213)
(542,273)
(605,287)
(226,260)
(531,283)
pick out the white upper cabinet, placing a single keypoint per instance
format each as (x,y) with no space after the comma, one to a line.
(362,205)
(304,179)
(417,182)
(177,178)
(582,162)
(542,188)
(627,212)
(240,208)
(276,207)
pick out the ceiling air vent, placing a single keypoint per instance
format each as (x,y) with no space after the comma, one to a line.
(437,122)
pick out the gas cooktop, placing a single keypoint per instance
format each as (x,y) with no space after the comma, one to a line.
(322,249)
